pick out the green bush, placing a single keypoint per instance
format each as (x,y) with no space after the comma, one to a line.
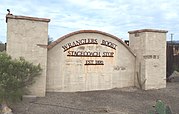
(15,76)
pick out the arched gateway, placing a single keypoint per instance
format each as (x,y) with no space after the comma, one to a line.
(89,60)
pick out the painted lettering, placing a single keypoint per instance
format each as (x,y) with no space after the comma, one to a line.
(109,44)
(99,62)
(84,54)
(89,62)
(151,56)
(94,62)
(108,54)
(65,47)
(78,43)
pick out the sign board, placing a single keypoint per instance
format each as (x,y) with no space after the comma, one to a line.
(84,61)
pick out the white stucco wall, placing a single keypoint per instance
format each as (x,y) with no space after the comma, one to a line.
(150,48)
(28,37)
(24,34)
(67,73)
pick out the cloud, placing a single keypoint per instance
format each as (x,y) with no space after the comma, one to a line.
(116,17)
(92,4)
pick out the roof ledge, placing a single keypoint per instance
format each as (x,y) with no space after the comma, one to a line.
(147,30)
(10,16)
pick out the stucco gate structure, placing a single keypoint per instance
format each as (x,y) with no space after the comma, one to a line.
(88,60)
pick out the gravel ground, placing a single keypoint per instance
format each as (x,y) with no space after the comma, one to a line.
(115,101)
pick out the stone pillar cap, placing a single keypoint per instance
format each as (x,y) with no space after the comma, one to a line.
(147,30)
(10,16)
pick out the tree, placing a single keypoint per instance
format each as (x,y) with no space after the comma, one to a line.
(2,47)
(50,39)
(15,77)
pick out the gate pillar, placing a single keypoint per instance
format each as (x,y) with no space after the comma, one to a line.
(150,47)
(27,37)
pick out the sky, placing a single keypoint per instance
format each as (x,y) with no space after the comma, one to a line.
(116,17)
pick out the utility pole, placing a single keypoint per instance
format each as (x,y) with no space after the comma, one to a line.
(172,57)
(172,38)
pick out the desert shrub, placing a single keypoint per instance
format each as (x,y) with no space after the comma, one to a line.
(15,77)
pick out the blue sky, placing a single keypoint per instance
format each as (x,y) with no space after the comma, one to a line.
(116,17)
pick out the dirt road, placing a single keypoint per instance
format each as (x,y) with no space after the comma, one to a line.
(115,101)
